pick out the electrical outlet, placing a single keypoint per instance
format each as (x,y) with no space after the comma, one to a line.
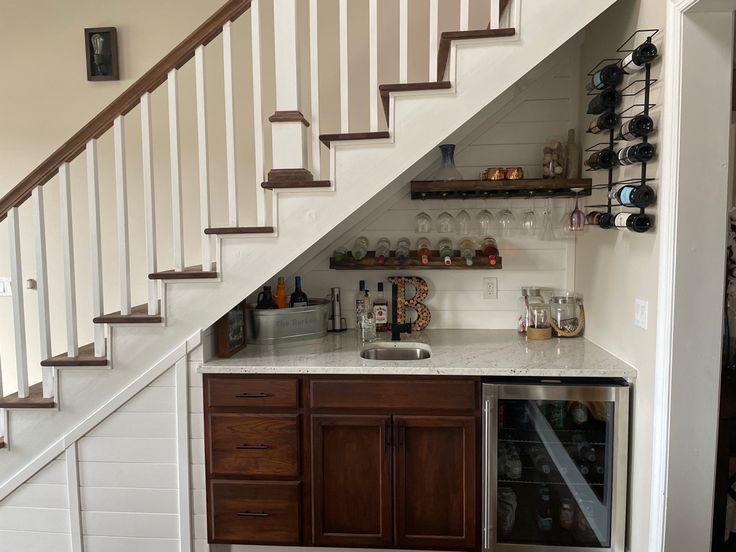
(5,289)
(490,288)
(641,313)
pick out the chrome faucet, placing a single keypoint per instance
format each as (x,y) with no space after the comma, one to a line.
(396,328)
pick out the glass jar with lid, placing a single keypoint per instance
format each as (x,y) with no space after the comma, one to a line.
(568,314)
(540,322)
(529,296)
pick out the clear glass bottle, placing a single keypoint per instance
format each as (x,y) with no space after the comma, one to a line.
(368,326)
(445,248)
(448,171)
(529,296)
(360,305)
(423,223)
(383,248)
(424,250)
(402,250)
(467,250)
(360,248)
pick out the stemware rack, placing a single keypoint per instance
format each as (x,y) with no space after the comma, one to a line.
(469,189)
(634,89)
(370,262)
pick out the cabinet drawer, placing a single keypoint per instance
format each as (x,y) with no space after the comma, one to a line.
(252,392)
(394,394)
(254,444)
(250,512)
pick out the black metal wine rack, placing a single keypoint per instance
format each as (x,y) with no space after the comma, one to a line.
(633,89)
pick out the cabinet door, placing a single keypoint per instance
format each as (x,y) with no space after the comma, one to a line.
(351,477)
(435,479)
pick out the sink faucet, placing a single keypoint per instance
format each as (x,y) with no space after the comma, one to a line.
(396,328)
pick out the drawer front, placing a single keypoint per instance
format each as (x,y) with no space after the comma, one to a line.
(254,444)
(394,395)
(250,512)
(252,393)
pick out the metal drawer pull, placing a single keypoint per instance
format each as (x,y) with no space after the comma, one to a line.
(253,514)
(253,395)
(251,447)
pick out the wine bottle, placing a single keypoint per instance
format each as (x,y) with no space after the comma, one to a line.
(298,298)
(402,249)
(607,76)
(489,247)
(634,196)
(635,222)
(467,250)
(383,247)
(605,121)
(424,250)
(605,101)
(280,296)
(636,127)
(606,220)
(445,247)
(603,159)
(380,310)
(638,153)
(637,60)
(360,248)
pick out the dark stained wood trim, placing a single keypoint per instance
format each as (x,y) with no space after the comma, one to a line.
(326,139)
(287,175)
(124,103)
(228,230)
(189,273)
(296,184)
(86,357)
(540,187)
(138,315)
(288,117)
(386,89)
(34,399)
(2,443)
(443,50)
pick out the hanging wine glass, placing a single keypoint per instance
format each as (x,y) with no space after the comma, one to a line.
(485,222)
(423,223)
(445,223)
(506,222)
(547,232)
(529,219)
(577,217)
(463,222)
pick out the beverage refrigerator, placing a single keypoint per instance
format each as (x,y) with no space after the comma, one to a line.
(555,456)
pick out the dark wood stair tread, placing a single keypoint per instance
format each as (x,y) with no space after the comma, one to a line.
(326,139)
(189,273)
(446,39)
(86,357)
(386,89)
(35,399)
(239,230)
(138,315)
(296,184)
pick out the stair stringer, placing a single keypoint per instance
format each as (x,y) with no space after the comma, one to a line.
(480,70)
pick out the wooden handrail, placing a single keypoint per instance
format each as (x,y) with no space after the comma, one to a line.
(124,103)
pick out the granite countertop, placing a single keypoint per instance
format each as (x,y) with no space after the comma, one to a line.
(454,352)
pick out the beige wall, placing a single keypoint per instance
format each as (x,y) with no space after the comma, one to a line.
(614,268)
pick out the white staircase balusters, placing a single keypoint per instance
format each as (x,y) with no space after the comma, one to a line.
(258,133)
(67,244)
(232,180)
(434,21)
(149,201)
(314,86)
(373,63)
(464,15)
(495,20)
(177,214)
(121,201)
(42,290)
(95,245)
(203,158)
(403,41)
(19,314)
(344,69)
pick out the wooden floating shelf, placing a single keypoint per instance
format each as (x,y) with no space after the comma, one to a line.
(466,189)
(413,263)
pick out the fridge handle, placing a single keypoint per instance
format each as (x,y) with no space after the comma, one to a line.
(487,473)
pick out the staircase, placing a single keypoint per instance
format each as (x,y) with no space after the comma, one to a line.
(296,204)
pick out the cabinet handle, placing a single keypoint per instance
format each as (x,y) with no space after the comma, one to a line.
(253,514)
(251,447)
(387,435)
(253,395)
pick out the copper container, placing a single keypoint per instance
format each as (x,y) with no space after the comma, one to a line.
(515,173)
(496,174)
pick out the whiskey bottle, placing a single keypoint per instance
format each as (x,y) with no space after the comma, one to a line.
(605,101)
(634,196)
(638,59)
(636,127)
(605,121)
(607,76)
(638,153)
(380,310)
(603,159)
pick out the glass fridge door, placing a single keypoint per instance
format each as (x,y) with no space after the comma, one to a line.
(558,470)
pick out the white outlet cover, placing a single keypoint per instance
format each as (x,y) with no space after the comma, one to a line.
(490,288)
(641,313)
(5,287)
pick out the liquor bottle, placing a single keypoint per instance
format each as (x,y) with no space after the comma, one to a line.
(641,196)
(636,127)
(637,60)
(380,310)
(605,101)
(360,248)
(445,247)
(280,296)
(383,247)
(544,510)
(603,159)
(424,250)
(605,121)
(360,305)
(298,298)
(607,76)
(368,323)
(265,299)
(402,249)
(567,514)
(635,222)
(489,248)
(467,250)
(573,156)
(638,153)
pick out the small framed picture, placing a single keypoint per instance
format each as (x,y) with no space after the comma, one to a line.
(230,332)
(101,48)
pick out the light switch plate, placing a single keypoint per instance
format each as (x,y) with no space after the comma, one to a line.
(641,313)
(490,288)
(5,289)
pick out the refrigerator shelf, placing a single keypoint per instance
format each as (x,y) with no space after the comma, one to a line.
(534,482)
(537,442)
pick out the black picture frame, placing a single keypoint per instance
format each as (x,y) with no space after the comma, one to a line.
(103,66)
(230,332)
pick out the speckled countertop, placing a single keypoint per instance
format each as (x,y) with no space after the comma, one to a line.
(453,352)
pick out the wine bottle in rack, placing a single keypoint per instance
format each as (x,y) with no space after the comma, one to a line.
(606,220)
(383,247)
(606,77)
(467,250)
(633,221)
(402,250)
(360,248)
(637,127)
(638,59)
(603,159)
(605,121)
(445,247)
(424,250)
(638,153)
(607,100)
(489,247)
(629,195)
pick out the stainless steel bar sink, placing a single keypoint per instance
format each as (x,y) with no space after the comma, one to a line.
(396,351)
